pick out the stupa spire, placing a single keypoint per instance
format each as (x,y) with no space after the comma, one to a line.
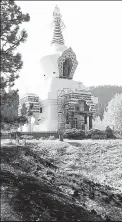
(58,26)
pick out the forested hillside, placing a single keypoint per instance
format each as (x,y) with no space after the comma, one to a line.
(104,93)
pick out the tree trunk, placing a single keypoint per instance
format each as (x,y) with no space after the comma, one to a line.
(20,126)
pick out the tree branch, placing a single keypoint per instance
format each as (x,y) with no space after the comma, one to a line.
(15,44)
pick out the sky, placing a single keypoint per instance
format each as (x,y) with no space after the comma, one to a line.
(93,31)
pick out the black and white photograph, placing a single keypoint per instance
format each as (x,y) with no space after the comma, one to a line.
(61,110)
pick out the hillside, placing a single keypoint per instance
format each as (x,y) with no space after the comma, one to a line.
(104,93)
(52,180)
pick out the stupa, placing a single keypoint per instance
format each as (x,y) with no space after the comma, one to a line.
(68,103)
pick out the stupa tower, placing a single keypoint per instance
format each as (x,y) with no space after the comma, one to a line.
(58,26)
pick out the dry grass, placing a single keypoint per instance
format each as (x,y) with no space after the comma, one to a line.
(39,181)
(99,160)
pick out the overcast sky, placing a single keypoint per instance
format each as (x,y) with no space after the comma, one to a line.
(93,30)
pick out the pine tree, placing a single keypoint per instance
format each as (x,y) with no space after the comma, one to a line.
(113,115)
(11,36)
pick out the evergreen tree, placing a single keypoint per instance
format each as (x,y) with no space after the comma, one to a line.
(113,115)
(12,109)
(11,36)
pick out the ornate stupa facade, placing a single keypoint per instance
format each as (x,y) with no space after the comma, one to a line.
(68,103)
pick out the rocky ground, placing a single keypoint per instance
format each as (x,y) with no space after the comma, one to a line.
(52,180)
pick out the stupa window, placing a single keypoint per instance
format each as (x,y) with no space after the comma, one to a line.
(67,66)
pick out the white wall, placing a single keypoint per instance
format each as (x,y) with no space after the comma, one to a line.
(49,65)
(50,112)
(59,84)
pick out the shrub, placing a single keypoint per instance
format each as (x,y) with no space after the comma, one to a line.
(98,134)
(109,133)
(74,134)
(88,134)
(26,137)
(102,134)
(95,134)
(51,138)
